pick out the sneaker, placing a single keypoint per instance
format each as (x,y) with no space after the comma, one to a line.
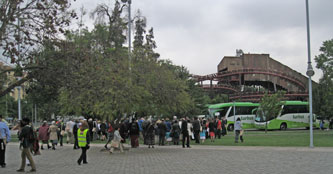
(32,170)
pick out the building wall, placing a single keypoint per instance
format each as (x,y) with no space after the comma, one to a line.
(262,62)
(11,77)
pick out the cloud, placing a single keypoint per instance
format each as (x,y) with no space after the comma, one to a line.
(197,33)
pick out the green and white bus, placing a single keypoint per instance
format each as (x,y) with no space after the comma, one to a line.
(293,114)
(244,110)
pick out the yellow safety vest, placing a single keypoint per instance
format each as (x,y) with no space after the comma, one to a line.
(82,137)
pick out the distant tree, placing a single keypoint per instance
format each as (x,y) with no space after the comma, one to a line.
(323,93)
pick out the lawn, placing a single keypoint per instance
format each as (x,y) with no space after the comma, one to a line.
(289,138)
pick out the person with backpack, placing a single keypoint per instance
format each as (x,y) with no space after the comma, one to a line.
(26,140)
(134,133)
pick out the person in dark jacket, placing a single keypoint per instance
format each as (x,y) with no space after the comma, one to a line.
(175,132)
(134,132)
(185,133)
(211,127)
(196,129)
(150,134)
(75,128)
(162,131)
(24,135)
(224,126)
(123,131)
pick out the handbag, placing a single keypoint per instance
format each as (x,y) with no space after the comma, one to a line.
(62,133)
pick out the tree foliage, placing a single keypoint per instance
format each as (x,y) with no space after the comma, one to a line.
(323,93)
(270,106)
(24,27)
(89,72)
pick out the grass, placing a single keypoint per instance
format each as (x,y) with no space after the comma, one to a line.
(289,138)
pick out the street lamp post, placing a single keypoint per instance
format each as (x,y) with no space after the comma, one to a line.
(309,73)
(19,100)
(129,30)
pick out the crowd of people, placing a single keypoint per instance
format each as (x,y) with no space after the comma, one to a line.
(81,132)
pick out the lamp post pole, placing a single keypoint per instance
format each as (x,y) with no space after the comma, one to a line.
(309,72)
(19,101)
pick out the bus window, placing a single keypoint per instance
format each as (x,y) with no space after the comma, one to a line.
(223,112)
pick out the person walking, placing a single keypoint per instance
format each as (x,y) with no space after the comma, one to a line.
(53,134)
(25,144)
(196,130)
(238,129)
(110,134)
(185,133)
(43,134)
(84,141)
(4,139)
(116,142)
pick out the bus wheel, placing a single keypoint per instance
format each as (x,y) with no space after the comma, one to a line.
(283,126)
(230,127)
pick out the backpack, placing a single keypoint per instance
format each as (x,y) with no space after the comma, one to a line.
(32,136)
(134,127)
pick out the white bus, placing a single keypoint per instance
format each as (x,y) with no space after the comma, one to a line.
(244,110)
(293,114)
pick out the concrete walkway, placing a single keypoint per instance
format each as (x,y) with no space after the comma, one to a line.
(178,160)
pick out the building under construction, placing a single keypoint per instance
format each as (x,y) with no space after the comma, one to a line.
(246,77)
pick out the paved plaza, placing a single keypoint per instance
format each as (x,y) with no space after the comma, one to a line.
(174,159)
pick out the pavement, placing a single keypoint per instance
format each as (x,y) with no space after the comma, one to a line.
(178,160)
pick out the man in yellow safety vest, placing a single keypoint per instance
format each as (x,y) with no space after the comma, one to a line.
(83,141)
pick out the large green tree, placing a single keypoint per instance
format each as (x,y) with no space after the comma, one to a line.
(323,93)
(24,26)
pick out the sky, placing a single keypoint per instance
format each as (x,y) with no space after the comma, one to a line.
(199,33)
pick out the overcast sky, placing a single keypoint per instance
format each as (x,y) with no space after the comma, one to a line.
(198,33)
